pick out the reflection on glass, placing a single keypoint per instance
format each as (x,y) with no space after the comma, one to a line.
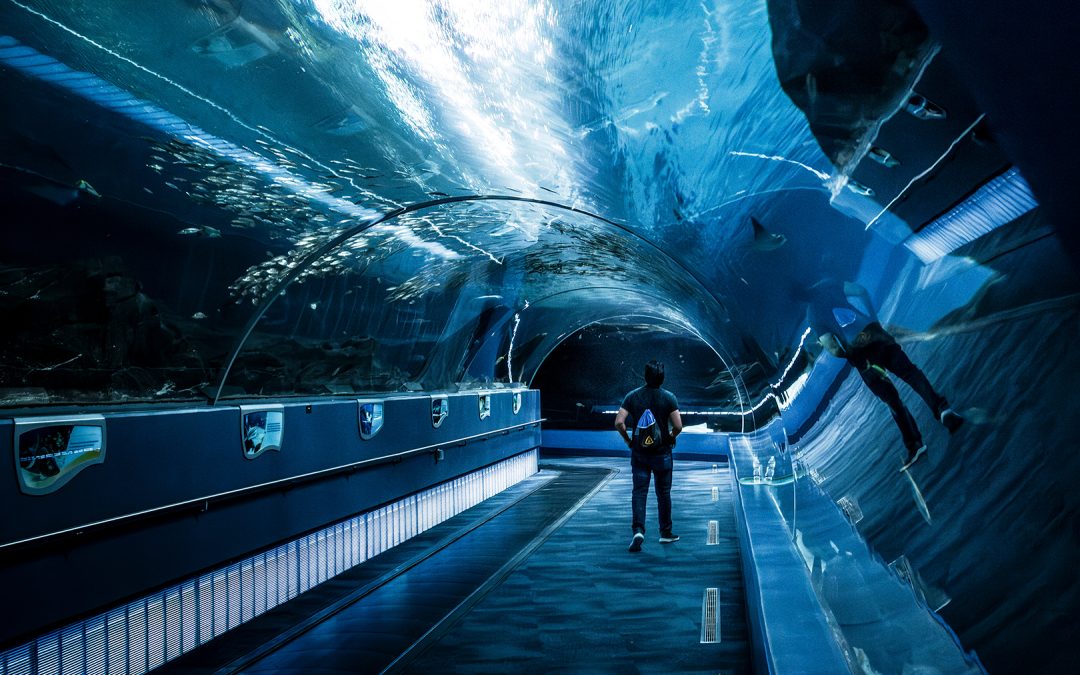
(517,402)
(771,462)
(485,406)
(371,419)
(51,453)
(927,595)
(262,427)
(440,410)
(850,506)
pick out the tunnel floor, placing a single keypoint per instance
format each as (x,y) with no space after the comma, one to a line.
(535,578)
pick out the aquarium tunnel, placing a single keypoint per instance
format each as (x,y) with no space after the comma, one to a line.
(318,319)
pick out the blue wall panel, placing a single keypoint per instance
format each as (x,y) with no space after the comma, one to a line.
(154,460)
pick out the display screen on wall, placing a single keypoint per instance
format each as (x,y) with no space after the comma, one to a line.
(262,428)
(370,418)
(440,410)
(50,452)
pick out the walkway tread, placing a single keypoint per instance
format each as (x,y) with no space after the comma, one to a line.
(523,590)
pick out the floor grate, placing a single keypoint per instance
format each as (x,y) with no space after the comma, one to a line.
(715,494)
(710,616)
(714,533)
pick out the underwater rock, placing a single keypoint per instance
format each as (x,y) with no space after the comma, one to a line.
(13,396)
(846,64)
(272,365)
(77,330)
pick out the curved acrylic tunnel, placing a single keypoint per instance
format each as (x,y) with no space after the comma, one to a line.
(447,301)
(312,206)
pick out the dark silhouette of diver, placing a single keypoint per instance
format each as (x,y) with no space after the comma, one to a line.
(850,331)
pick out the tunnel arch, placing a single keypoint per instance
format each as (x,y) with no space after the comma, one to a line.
(324,249)
(683,330)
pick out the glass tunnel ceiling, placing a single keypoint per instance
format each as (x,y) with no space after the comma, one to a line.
(195,154)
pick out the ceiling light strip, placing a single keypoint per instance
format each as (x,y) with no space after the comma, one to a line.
(1000,201)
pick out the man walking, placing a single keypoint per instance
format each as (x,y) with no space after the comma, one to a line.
(654,417)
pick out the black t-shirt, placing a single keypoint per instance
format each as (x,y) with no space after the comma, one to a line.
(660,401)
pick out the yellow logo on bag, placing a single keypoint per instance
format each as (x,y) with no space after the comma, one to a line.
(648,441)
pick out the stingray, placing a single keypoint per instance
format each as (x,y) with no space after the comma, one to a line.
(765,240)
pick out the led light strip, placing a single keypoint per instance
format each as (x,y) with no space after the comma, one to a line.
(1000,201)
(144,634)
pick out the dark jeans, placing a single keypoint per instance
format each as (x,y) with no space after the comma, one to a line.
(644,467)
(875,347)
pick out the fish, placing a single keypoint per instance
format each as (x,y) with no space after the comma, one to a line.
(203,231)
(883,157)
(87,188)
(765,240)
(860,189)
(56,192)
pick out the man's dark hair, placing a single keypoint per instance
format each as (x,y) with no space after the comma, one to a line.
(654,374)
